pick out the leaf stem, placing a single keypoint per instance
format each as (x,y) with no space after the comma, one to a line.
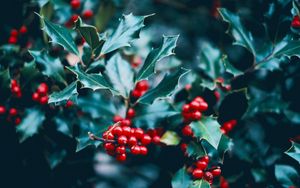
(96,138)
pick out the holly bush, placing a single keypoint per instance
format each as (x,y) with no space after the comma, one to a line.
(160,93)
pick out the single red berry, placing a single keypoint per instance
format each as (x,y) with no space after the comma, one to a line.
(224,183)
(121,157)
(117,118)
(17,121)
(44,100)
(130,113)
(23,30)
(35,97)
(74,18)
(187,131)
(16,89)
(120,150)
(132,141)
(156,140)
(142,85)
(201,164)
(69,103)
(13,112)
(196,115)
(203,106)
(183,147)
(12,40)
(14,83)
(216,172)
(135,150)
(87,14)
(139,133)
(208,176)
(188,87)
(117,131)
(2,110)
(227,87)
(205,158)
(233,122)
(14,33)
(108,136)
(126,131)
(296,22)
(197,173)
(122,140)
(136,93)
(143,150)
(109,146)
(146,139)
(75,4)
(43,89)
(186,108)
(125,122)
(195,105)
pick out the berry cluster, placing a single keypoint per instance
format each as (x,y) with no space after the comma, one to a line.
(86,14)
(12,116)
(193,110)
(15,89)
(228,126)
(199,170)
(41,94)
(296,22)
(14,33)
(140,89)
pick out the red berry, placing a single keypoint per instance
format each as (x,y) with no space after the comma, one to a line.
(74,18)
(143,150)
(23,30)
(75,4)
(17,121)
(187,131)
(186,108)
(108,136)
(183,147)
(43,89)
(14,83)
(122,140)
(142,85)
(197,173)
(12,40)
(69,104)
(136,93)
(139,133)
(201,164)
(2,110)
(217,95)
(121,157)
(208,176)
(188,87)
(14,33)
(13,112)
(120,150)
(87,14)
(203,106)
(205,158)
(135,150)
(156,139)
(44,100)
(117,131)
(136,61)
(125,122)
(35,97)
(109,146)
(216,172)
(117,118)
(199,99)
(196,115)
(146,139)
(126,131)
(195,105)
(16,89)
(130,113)
(296,22)
(132,141)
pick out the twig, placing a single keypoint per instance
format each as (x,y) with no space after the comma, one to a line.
(96,138)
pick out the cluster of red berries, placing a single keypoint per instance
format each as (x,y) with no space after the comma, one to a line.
(193,110)
(228,126)
(41,94)
(15,89)
(140,89)
(14,33)
(296,22)
(199,170)
(12,116)
(86,14)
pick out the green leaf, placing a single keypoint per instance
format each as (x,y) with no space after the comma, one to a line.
(52,67)
(294,151)
(31,123)
(89,33)
(195,150)
(55,157)
(64,125)
(120,75)
(209,129)
(4,79)
(170,138)
(59,35)
(230,68)
(181,179)
(241,36)
(68,93)
(287,48)
(92,81)
(151,115)
(286,175)
(166,49)
(28,72)
(200,184)
(224,145)
(128,30)
(164,88)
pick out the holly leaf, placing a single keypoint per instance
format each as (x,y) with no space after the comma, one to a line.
(51,67)
(89,33)
(286,175)
(59,35)
(195,150)
(5,79)
(170,138)
(120,75)
(200,184)
(241,36)
(31,123)
(164,88)
(230,68)
(92,81)
(287,48)
(209,129)
(294,151)
(68,93)
(151,115)
(128,30)
(166,49)
(181,179)
(28,72)
(63,125)
(224,145)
